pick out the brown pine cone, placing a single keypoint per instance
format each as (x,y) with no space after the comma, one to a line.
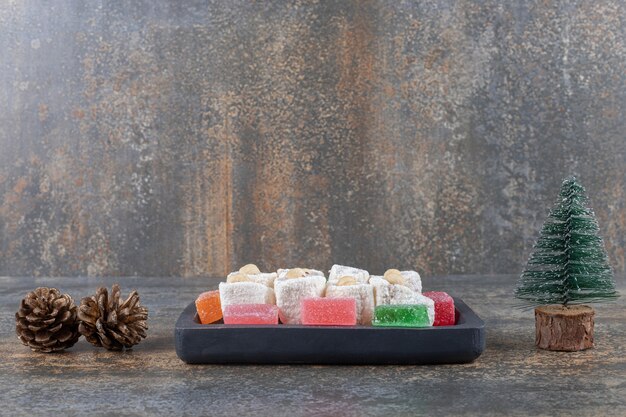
(46,320)
(104,321)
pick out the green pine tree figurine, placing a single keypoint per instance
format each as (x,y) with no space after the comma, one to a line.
(568,266)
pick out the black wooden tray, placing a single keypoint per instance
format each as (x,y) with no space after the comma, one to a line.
(295,344)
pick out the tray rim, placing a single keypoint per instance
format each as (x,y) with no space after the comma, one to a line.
(470,320)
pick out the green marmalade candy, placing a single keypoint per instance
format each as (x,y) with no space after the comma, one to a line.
(405,315)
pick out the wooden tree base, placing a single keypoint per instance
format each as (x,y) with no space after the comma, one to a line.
(565,328)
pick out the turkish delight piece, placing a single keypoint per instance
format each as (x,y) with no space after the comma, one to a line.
(410,279)
(294,285)
(329,311)
(401,315)
(338,271)
(386,292)
(413,280)
(298,272)
(444,308)
(265,278)
(251,314)
(245,292)
(252,272)
(208,307)
(363,295)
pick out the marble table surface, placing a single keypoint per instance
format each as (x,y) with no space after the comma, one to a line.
(511,378)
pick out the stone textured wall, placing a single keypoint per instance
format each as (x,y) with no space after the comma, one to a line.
(186,138)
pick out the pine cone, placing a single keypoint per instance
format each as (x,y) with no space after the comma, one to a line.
(104,321)
(46,320)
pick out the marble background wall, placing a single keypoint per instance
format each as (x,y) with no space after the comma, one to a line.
(185,138)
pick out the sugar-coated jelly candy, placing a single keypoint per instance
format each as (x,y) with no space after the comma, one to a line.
(208,307)
(251,314)
(401,315)
(329,311)
(444,308)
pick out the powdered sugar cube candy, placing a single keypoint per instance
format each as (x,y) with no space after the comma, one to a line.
(393,289)
(208,307)
(251,314)
(282,273)
(338,271)
(444,308)
(363,295)
(329,311)
(410,278)
(294,285)
(255,275)
(413,280)
(241,290)
(265,278)
(390,293)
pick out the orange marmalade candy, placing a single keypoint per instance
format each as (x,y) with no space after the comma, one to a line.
(209,307)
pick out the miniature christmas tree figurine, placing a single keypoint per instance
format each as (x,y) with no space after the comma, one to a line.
(568,266)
